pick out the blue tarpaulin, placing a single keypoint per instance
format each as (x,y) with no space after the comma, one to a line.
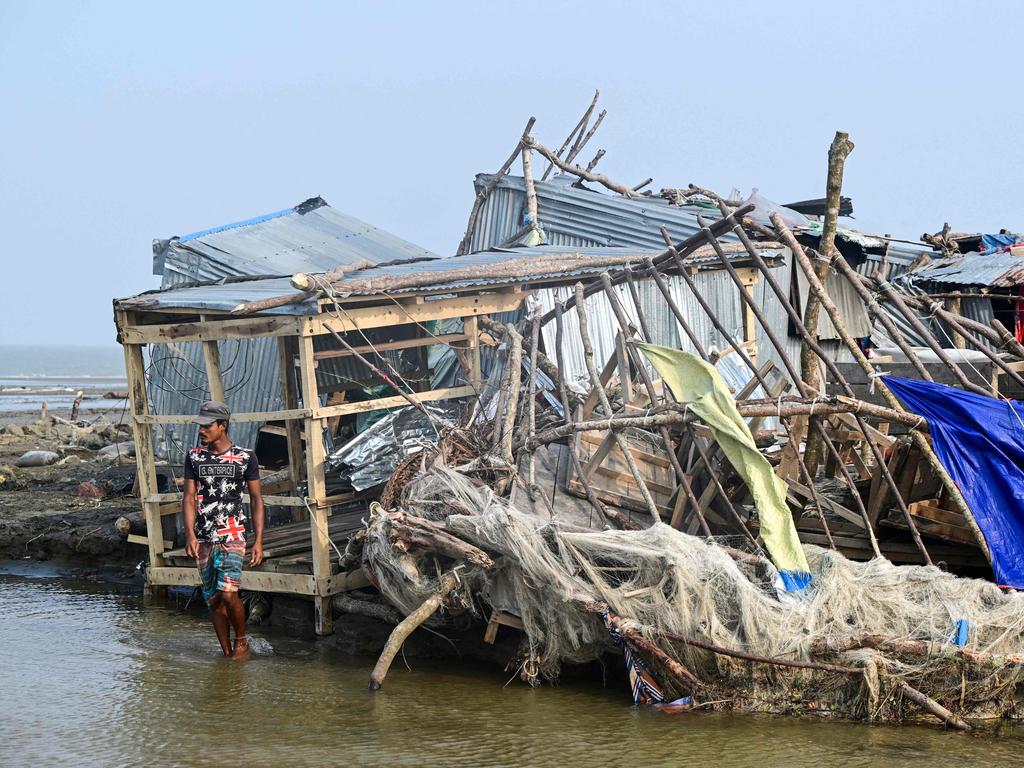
(980,442)
(999,242)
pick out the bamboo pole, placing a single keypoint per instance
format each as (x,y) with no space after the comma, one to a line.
(928,703)
(873,306)
(532,405)
(897,301)
(531,189)
(595,381)
(595,160)
(1007,339)
(652,396)
(774,661)
(677,415)
(833,369)
(563,391)
(515,364)
(581,143)
(919,440)
(576,170)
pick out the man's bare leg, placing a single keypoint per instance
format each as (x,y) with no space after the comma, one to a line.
(236,613)
(221,623)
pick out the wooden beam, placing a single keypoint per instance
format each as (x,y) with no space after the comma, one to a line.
(317,486)
(400,314)
(134,538)
(244,328)
(258,581)
(364,406)
(422,341)
(346,582)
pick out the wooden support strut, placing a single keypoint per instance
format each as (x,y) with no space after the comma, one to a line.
(316,488)
(144,460)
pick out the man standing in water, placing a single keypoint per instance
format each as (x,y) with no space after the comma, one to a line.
(215,474)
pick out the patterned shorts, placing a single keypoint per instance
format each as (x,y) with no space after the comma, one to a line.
(220,566)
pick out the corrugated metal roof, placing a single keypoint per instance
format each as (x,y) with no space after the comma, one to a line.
(223,296)
(577,216)
(999,270)
(311,237)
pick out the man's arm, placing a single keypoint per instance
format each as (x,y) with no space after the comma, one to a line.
(188,510)
(256,506)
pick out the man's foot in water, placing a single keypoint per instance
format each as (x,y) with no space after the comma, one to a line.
(242,652)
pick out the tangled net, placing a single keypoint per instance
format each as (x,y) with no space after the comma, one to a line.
(668,583)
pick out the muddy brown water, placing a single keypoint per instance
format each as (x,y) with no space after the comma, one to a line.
(91,675)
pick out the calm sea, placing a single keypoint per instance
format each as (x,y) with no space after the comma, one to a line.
(31,374)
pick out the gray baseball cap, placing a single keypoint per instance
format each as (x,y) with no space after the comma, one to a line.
(212,411)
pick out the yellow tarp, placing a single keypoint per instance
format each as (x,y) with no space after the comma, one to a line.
(700,386)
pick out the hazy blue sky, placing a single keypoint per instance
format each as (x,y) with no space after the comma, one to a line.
(124,122)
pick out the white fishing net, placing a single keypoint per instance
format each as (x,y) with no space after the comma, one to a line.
(669,582)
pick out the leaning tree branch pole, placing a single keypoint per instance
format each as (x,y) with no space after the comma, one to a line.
(837,153)
(575,170)
(581,126)
(671,415)
(919,439)
(486,191)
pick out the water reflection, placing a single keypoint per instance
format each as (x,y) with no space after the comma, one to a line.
(89,676)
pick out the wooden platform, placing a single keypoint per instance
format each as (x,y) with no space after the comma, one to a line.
(287,564)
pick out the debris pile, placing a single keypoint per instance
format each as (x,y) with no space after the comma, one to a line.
(667,432)
(651,535)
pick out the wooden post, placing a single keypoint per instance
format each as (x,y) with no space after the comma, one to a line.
(316,491)
(952,304)
(290,400)
(471,327)
(749,277)
(135,370)
(837,153)
(211,356)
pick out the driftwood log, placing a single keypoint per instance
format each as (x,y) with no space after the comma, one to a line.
(448,582)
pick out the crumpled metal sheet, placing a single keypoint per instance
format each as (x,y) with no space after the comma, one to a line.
(369,458)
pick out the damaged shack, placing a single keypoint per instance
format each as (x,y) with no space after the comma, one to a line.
(606,426)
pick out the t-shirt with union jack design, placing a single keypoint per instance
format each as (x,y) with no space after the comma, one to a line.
(220,481)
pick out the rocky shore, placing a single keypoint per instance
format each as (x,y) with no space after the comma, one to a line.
(63,484)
